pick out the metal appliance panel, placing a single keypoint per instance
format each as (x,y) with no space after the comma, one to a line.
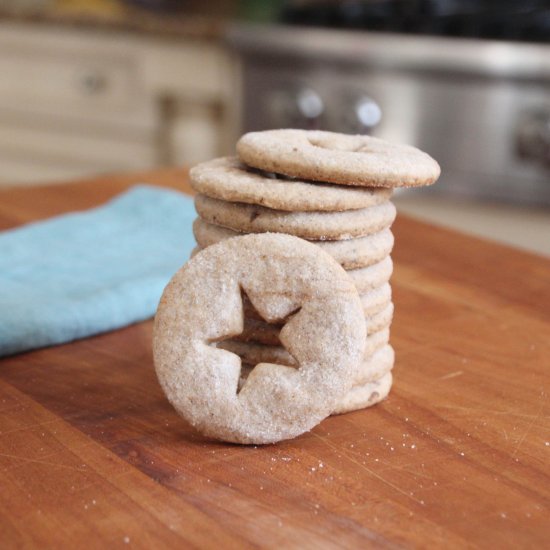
(467,115)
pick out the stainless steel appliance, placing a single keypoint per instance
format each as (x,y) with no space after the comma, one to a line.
(480,107)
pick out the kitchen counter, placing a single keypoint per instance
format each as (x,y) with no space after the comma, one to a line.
(523,226)
(457,456)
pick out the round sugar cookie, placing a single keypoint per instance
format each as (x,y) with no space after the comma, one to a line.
(360,252)
(256,330)
(321,226)
(228,179)
(380,320)
(252,352)
(351,253)
(363,278)
(377,309)
(376,300)
(375,366)
(338,158)
(365,395)
(286,279)
(369,278)
(360,396)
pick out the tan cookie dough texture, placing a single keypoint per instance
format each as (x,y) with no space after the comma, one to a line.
(255,330)
(202,304)
(338,158)
(321,226)
(351,254)
(365,395)
(228,179)
(374,365)
(371,277)
(374,387)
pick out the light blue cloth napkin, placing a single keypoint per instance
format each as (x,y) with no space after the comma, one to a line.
(88,272)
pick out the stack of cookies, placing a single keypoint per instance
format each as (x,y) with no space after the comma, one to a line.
(333,190)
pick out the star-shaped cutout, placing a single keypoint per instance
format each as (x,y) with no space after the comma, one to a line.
(257,331)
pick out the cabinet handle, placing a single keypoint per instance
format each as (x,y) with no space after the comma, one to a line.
(93,82)
(533,137)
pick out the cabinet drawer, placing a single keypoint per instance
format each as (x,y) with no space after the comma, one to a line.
(67,70)
(96,149)
(63,80)
(18,171)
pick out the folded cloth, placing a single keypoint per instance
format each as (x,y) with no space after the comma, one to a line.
(89,272)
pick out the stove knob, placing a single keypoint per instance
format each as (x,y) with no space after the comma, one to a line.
(310,107)
(533,137)
(368,114)
(356,114)
(295,108)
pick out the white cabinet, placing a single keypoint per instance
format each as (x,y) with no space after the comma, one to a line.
(74,103)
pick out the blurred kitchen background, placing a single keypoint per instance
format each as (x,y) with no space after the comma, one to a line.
(102,86)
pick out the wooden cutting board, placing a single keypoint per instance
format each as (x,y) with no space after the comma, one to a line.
(92,455)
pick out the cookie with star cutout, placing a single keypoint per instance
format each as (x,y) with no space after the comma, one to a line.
(289,281)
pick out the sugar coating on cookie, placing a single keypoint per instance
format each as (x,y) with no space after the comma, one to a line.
(375,366)
(228,179)
(287,279)
(380,320)
(338,158)
(323,226)
(377,362)
(376,300)
(255,330)
(360,396)
(377,309)
(365,395)
(253,352)
(351,253)
(373,276)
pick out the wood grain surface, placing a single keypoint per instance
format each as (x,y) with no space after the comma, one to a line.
(93,456)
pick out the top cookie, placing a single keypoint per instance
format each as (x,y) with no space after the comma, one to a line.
(338,158)
(230,180)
